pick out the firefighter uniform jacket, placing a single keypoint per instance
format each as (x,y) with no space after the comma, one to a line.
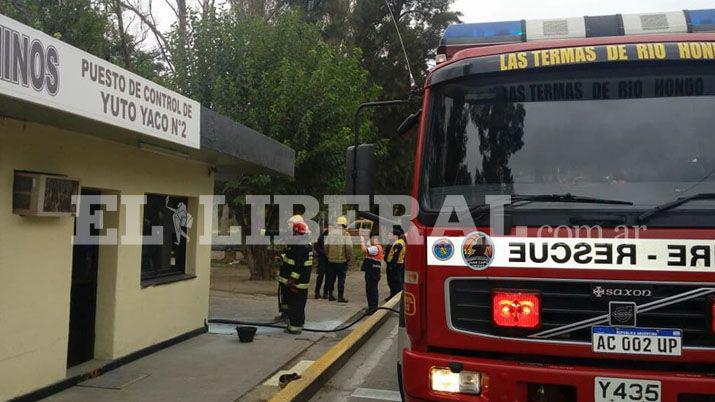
(338,248)
(396,255)
(297,263)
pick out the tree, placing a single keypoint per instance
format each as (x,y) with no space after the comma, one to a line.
(251,64)
(145,12)
(96,26)
(80,23)
(121,32)
(281,78)
(369,26)
(421,23)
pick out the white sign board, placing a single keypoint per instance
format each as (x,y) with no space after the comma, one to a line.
(41,69)
(683,255)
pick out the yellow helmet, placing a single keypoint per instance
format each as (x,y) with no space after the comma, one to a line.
(295,219)
(341,221)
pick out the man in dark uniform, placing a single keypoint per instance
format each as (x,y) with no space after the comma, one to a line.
(282,289)
(319,249)
(294,275)
(395,260)
(371,265)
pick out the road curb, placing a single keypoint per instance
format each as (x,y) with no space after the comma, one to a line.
(322,369)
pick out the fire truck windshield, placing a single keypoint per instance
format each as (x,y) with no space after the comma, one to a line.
(637,134)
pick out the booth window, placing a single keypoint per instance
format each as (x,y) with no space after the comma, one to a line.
(168,258)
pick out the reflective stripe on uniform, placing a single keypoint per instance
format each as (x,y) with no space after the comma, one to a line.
(391,254)
(403,252)
(282,280)
(308,263)
(302,286)
(294,275)
(287,260)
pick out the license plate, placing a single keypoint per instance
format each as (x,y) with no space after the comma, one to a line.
(637,341)
(606,389)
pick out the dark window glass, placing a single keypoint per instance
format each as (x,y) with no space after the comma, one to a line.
(643,135)
(168,258)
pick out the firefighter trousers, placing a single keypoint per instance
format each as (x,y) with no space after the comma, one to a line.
(395,278)
(296,309)
(283,292)
(372,279)
(322,275)
(336,271)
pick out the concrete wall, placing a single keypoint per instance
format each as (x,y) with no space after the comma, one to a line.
(36,256)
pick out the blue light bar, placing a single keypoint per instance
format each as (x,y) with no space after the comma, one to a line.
(701,20)
(459,36)
(486,32)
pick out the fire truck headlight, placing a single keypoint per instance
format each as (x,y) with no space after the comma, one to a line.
(466,382)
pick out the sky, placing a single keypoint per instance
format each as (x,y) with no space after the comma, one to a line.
(504,10)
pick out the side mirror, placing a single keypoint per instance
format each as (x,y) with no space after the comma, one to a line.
(410,122)
(360,170)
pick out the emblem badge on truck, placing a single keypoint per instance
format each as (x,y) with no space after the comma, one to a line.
(478,250)
(443,249)
(622,314)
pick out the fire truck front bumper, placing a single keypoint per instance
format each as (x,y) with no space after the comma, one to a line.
(509,381)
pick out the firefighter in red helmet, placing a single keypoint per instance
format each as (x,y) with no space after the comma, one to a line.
(294,275)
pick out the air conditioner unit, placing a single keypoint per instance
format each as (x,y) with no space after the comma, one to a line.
(36,194)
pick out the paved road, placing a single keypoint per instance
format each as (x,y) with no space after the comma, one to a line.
(370,375)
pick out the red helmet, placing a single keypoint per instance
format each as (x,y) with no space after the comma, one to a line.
(300,228)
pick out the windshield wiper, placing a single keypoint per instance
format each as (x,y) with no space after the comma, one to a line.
(674,204)
(568,197)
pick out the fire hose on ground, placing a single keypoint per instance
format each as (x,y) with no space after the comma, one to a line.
(276,324)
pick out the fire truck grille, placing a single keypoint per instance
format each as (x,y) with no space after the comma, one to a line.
(568,302)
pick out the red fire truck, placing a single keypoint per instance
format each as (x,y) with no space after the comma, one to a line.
(597,135)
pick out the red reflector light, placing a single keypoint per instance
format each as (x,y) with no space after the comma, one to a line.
(516,309)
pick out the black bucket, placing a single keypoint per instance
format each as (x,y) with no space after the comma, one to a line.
(246,334)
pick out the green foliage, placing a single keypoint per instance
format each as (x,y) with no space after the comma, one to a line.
(282,79)
(84,24)
(368,25)
(421,23)
(80,23)
(145,64)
